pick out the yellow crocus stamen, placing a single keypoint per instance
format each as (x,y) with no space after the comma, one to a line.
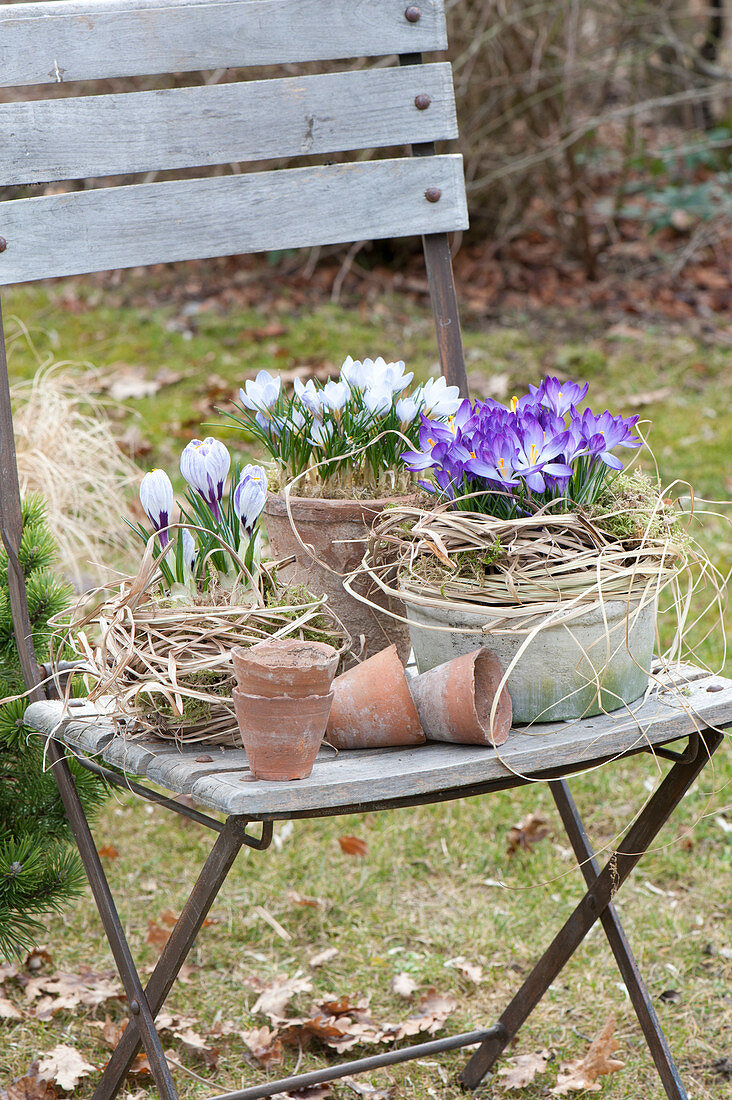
(514,404)
(431,442)
(452,424)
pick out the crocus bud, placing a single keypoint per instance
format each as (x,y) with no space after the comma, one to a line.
(189,550)
(249,496)
(205,464)
(156,497)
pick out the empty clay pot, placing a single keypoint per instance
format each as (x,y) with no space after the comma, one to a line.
(285,666)
(454,700)
(281,736)
(372,707)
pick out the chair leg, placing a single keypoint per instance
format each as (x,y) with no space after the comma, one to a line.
(137,1000)
(599,895)
(621,949)
(180,941)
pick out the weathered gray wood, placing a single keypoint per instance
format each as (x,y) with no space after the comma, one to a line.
(381,776)
(153,223)
(106,135)
(65,40)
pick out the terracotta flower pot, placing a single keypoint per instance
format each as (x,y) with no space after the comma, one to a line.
(454,700)
(281,736)
(372,707)
(285,666)
(336,530)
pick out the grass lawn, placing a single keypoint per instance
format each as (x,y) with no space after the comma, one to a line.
(436,883)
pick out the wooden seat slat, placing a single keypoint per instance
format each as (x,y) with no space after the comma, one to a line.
(119,227)
(64,40)
(105,135)
(378,777)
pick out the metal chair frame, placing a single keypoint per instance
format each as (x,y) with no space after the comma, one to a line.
(602,885)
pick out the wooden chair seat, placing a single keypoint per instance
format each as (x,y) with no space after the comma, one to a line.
(367,779)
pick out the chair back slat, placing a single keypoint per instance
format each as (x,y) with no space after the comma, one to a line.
(116,227)
(63,40)
(108,135)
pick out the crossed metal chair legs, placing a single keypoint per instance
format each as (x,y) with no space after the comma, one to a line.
(596,905)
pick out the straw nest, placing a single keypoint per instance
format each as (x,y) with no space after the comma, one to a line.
(518,570)
(164,667)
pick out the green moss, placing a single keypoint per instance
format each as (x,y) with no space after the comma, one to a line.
(630,509)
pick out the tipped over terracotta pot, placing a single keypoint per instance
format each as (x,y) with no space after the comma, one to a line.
(454,700)
(281,736)
(285,666)
(372,706)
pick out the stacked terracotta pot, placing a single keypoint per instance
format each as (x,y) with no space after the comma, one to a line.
(282,703)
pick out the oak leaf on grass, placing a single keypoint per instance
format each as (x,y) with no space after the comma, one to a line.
(529,830)
(65,1066)
(353,845)
(521,1069)
(582,1074)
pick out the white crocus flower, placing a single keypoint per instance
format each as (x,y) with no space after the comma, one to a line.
(393,375)
(321,434)
(378,399)
(335,395)
(260,394)
(250,495)
(156,497)
(407,410)
(437,399)
(189,550)
(356,374)
(309,397)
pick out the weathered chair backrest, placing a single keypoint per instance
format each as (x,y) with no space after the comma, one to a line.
(119,140)
(168,129)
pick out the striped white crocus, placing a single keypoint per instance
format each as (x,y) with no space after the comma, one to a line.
(249,496)
(156,497)
(205,464)
(189,550)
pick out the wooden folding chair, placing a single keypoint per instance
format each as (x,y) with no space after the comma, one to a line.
(137,223)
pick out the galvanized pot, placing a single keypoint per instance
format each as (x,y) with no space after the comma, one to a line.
(573,667)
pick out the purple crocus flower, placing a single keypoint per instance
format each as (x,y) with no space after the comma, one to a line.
(494,459)
(156,497)
(600,434)
(558,396)
(536,453)
(249,496)
(205,464)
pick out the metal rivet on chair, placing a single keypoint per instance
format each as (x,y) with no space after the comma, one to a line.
(3,244)
(134,1008)
(413,15)
(433,194)
(422,101)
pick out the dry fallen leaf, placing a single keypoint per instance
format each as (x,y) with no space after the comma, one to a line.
(471,970)
(31,1087)
(433,1008)
(353,845)
(301,899)
(36,959)
(109,852)
(371,1092)
(65,1066)
(66,991)
(403,985)
(648,397)
(275,997)
(322,957)
(529,830)
(264,1045)
(582,1074)
(8,1011)
(521,1069)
